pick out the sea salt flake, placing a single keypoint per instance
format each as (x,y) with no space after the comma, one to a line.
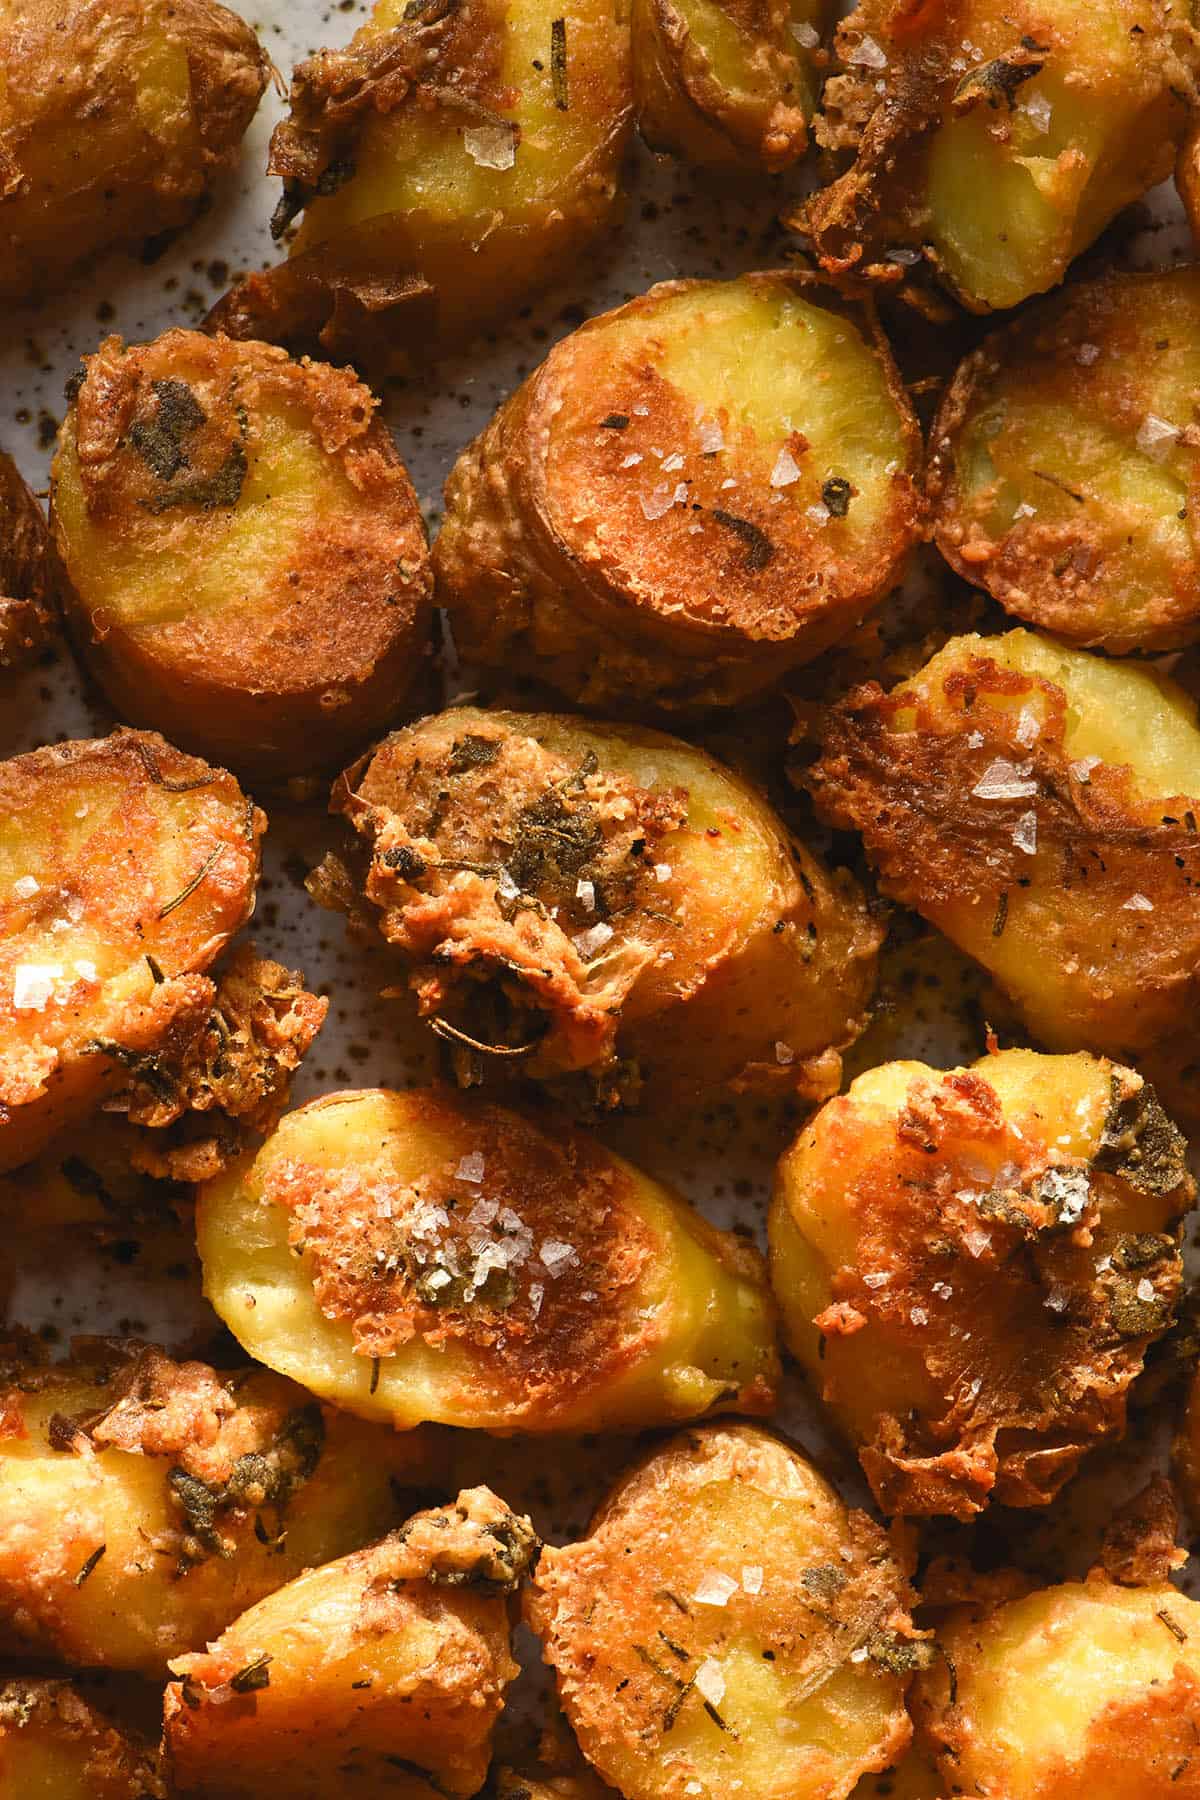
(1025,511)
(919,1316)
(1146,1290)
(438,1279)
(1028,726)
(784,1053)
(859,1655)
(786,470)
(632,460)
(1067,1190)
(86,971)
(1154,434)
(673,462)
(588,942)
(506,886)
(556,1257)
(586,891)
(712,438)
(491,146)
(1082,770)
(640,412)
(876,1278)
(25,887)
(1038,110)
(537,1294)
(752,1579)
(820,515)
(709,1682)
(807,35)
(904,258)
(1087,354)
(33,985)
(484,1211)
(714,1589)
(867,54)
(662,872)
(1002,780)
(471,1167)
(1025,833)
(657,504)
(1138,903)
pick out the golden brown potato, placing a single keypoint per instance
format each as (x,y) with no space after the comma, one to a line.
(245,557)
(995,142)
(727,83)
(592,898)
(179,1495)
(416,1257)
(1038,805)
(972,1264)
(728,1626)
(1087,1691)
(690,495)
(116,118)
(381,1674)
(1063,467)
(27,575)
(451,162)
(125,868)
(55,1745)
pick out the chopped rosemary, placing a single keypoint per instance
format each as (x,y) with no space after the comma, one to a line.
(91,1562)
(255,1675)
(192,885)
(558,63)
(150,764)
(759,548)
(451,1034)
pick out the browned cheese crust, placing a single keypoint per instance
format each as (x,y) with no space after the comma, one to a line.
(27,581)
(71,1743)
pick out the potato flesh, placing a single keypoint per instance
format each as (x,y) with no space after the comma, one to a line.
(55,1746)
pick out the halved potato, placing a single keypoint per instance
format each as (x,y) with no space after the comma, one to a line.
(414,1256)
(727,83)
(1066,474)
(144,1502)
(116,118)
(971,1266)
(728,1626)
(1069,1693)
(691,494)
(125,868)
(451,162)
(245,557)
(382,1673)
(1039,806)
(27,576)
(572,897)
(996,142)
(56,1745)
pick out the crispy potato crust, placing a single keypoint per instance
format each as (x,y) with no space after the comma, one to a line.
(572,897)
(245,557)
(398,1690)
(972,1265)
(691,494)
(728,1621)
(28,585)
(117,117)
(125,868)
(994,141)
(53,1741)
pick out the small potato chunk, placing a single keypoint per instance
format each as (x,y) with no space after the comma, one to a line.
(55,1745)
(416,1257)
(1088,1691)
(383,1673)
(728,1627)
(1064,478)
(1039,806)
(144,1503)
(125,868)
(996,142)
(971,1266)
(726,83)
(27,584)
(245,557)
(606,900)
(451,163)
(116,118)
(691,495)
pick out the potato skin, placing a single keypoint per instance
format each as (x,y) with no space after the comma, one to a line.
(736,957)
(28,583)
(1068,1692)
(53,1741)
(160,881)
(396,1692)
(117,118)
(799,1713)
(972,1265)
(207,1490)
(352,1255)
(563,555)
(245,557)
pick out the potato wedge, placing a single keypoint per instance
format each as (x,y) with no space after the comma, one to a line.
(415,1256)
(1063,478)
(451,163)
(28,583)
(125,868)
(116,118)
(382,1673)
(180,1495)
(728,1626)
(996,143)
(691,494)
(245,558)
(604,901)
(55,1743)
(972,1265)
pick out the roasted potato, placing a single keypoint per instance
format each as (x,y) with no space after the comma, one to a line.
(245,558)
(116,118)
(690,495)
(383,1673)
(996,143)
(1063,467)
(1038,805)
(418,1257)
(578,897)
(1069,1693)
(451,162)
(727,83)
(972,1264)
(56,1745)
(125,868)
(545,1784)
(27,575)
(178,1496)
(728,1626)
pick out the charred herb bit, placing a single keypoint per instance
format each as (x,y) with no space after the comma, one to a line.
(1173,1626)
(952,1669)
(155,968)
(997,82)
(402,1762)
(254,1676)
(836,494)
(1001,918)
(472,752)
(900,1655)
(61,1432)
(159,443)
(374,1375)
(1141,1144)
(675,1649)
(452,1034)
(615,422)
(551,839)
(558,63)
(428,12)
(85,1180)
(187,892)
(209,492)
(1053,480)
(90,1564)
(150,763)
(666,1594)
(824,1580)
(191,1693)
(143,1065)
(759,548)
(407,864)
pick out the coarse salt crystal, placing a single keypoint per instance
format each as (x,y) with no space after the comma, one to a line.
(867,54)
(1082,770)
(807,35)
(586,891)
(506,886)
(537,1294)
(1003,780)
(786,470)
(1146,1290)
(662,872)
(1087,354)
(86,971)
(1138,903)
(438,1279)
(712,438)
(919,1316)
(876,1278)
(640,412)
(714,1589)
(1025,511)
(673,462)
(784,1053)
(709,1682)
(25,887)
(491,146)
(752,1579)
(484,1211)
(588,942)
(632,460)
(1028,726)
(903,257)
(820,515)
(658,503)
(1037,110)
(556,1257)
(730,481)
(1024,834)
(859,1655)
(976,1240)
(1154,434)
(471,1168)
(33,985)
